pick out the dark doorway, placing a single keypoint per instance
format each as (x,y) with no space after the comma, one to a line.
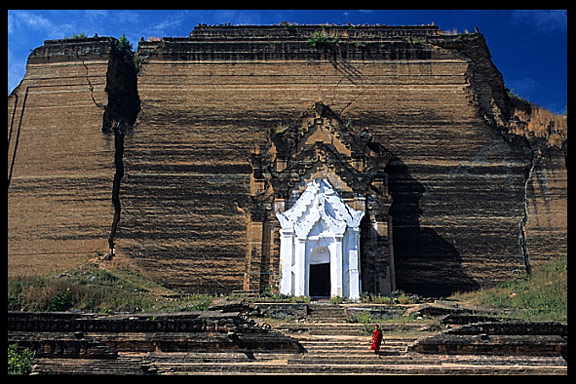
(319,280)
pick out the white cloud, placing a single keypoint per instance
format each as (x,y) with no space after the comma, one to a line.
(35,22)
(165,26)
(95,14)
(542,21)
(11,22)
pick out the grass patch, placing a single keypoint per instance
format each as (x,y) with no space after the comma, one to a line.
(95,288)
(541,296)
(92,287)
(396,297)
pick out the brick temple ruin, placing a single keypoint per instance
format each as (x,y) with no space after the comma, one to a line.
(302,159)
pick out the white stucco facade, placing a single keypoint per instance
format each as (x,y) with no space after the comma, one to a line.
(320,228)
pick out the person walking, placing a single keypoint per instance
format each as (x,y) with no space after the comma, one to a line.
(376,340)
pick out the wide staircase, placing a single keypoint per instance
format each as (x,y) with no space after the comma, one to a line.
(334,346)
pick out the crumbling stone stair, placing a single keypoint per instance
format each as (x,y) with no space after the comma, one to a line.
(348,354)
(326,313)
(331,346)
(336,347)
(315,362)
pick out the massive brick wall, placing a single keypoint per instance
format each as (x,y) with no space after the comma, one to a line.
(60,164)
(435,101)
(546,207)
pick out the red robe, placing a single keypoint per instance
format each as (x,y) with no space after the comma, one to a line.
(376,340)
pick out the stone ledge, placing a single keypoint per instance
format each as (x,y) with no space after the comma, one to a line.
(91,336)
(512,338)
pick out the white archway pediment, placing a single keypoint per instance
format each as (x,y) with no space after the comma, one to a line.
(319,201)
(320,229)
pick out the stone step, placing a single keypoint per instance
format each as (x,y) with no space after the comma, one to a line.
(322,353)
(342,362)
(407,358)
(352,352)
(335,347)
(352,344)
(327,315)
(318,363)
(343,339)
(326,318)
(343,328)
(121,366)
(344,358)
(290,367)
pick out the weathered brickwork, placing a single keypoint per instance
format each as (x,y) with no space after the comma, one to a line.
(59,162)
(457,178)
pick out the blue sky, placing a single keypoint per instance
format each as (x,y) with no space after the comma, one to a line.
(529,47)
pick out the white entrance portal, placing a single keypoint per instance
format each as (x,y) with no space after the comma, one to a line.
(320,229)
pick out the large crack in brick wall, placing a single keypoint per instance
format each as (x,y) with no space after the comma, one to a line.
(119,117)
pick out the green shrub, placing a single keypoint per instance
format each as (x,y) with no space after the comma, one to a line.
(61,302)
(76,36)
(321,38)
(20,363)
(396,297)
(382,300)
(337,300)
(363,317)
(124,44)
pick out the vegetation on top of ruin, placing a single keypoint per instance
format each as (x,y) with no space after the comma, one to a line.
(124,45)
(535,122)
(322,38)
(76,36)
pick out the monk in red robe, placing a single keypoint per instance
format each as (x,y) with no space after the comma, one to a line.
(376,339)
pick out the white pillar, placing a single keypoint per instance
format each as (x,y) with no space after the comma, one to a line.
(300,267)
(354,263)
(336,267)
(345,266)
(286,261)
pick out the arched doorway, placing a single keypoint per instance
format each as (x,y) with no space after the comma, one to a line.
(319,272)
(319,280)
